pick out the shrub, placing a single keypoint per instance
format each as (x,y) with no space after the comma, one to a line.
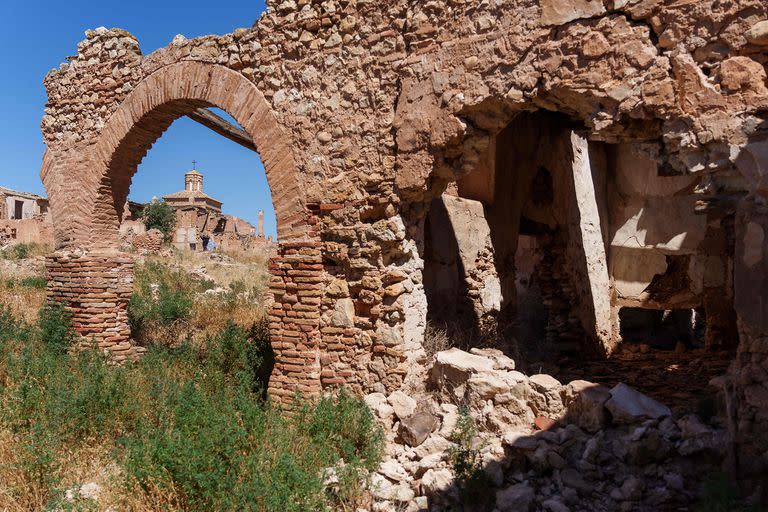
(474,483)
(159,215)
(211,440)
(181,423)
(242,355)
(16,252)
(54,326)
(436,339)
(38,282)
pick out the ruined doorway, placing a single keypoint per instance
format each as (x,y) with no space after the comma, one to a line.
(18,209)
(512,255)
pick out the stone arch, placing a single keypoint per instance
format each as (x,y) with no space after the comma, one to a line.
(172,92)
(88,185)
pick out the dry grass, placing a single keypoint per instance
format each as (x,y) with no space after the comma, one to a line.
(238,293)
(151,499)
(210,315)
(24,251)
(24,300)
(436,339)
(88,461)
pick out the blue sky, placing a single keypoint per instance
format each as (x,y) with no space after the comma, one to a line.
(36,36)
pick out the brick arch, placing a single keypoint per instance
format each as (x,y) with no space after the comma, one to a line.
(88,185)
(162,97)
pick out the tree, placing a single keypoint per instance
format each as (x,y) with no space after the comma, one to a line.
(159,215)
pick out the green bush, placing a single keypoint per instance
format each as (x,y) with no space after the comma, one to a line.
(159,215)
(162,296)
(183,418)
(38,282)
(474,484)
(54,325)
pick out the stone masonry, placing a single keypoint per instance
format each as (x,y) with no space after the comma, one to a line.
(364,112)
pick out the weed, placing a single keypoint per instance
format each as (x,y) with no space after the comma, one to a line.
(38,282)
(23,251)
(16,252)
(436,339)
(54,325)
(187,426)
(474,484)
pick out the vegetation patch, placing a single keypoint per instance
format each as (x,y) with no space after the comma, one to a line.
(161,216)
(186,428)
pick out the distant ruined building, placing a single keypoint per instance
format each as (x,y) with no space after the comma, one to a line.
(200,224)
(550,164)
(24,218)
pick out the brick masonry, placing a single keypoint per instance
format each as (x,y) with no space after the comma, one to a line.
(95,290)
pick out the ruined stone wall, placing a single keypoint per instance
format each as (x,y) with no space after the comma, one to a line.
(364,111)
(747,385)
(151,241)
(28,231)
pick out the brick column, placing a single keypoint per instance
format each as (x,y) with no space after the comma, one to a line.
(95,289)
(294,320)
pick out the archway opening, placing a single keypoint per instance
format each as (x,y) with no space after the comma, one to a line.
(506,246)
(199,224)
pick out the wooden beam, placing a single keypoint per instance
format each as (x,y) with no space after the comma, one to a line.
(223,127)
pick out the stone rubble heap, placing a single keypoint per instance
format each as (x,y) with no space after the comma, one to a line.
(544,446)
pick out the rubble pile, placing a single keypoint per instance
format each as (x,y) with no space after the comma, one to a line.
(541,445)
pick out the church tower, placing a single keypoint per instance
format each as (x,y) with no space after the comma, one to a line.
(193,181)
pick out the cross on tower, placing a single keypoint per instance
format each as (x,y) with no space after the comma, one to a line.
(194,164)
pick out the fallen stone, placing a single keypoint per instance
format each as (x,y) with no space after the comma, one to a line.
(521,441)
(487,385)
(436,481)
(554,505)
(383,489)
(393,470)
(455,367)
(450,416)
(632,488)
(691,426)
(545,383)
(500,360)
(431,461)
(545,398)
(373,400)
(627,406)
(415,429)
(573,479)
(559,12)
(585,404)
(515,498)
(758,33)
(403,405)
